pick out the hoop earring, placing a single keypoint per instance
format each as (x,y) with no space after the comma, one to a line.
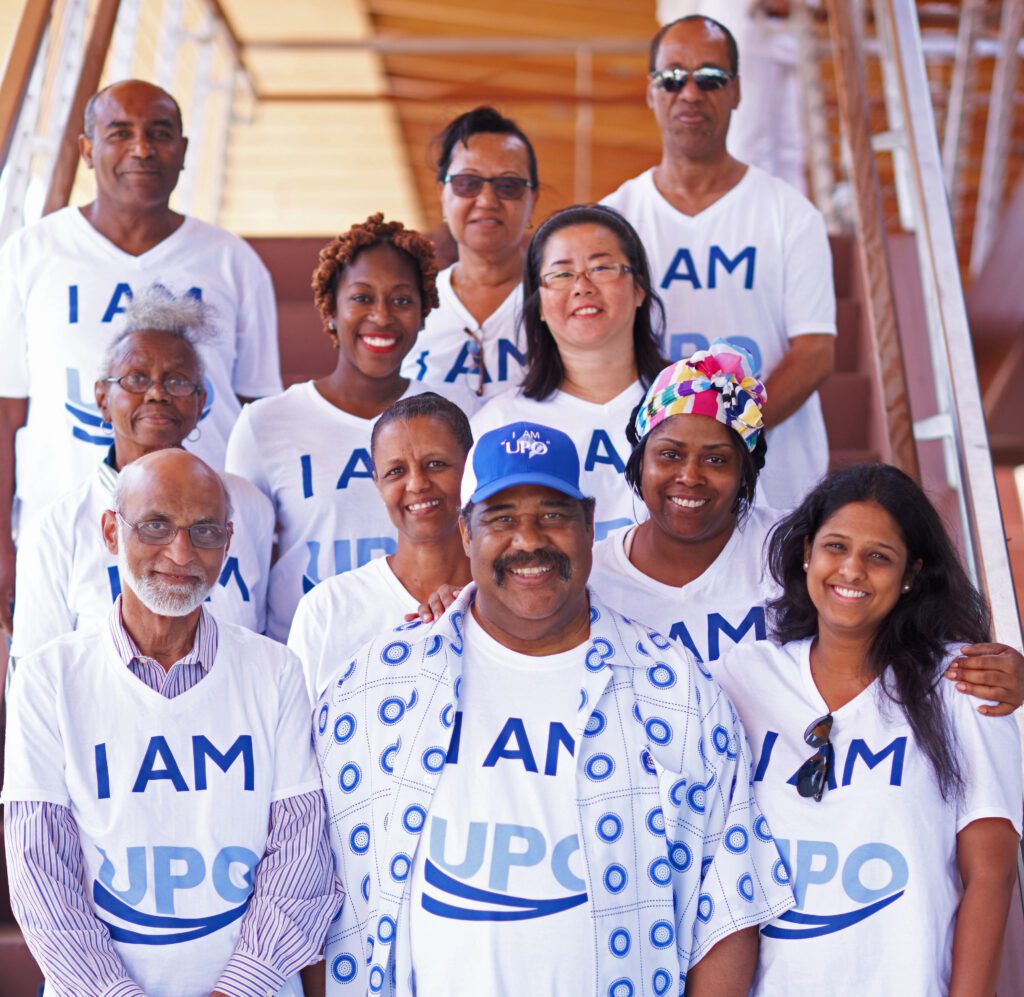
(194,439)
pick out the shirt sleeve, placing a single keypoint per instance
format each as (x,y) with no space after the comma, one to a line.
(989,750)
(295,897)
(295,768)
(257,365)
(33,750)
(809,302)
(306,640)
(46,872)
(43,573)
(14,379)
(244,456)
(714,814)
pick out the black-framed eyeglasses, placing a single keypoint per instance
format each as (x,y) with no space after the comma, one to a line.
(476,351)
(707,78)
(812,776)
(604,273)
(505,188)
(159,533)
(139,384)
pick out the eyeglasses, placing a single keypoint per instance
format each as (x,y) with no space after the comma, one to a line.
(476,351)
(707,78)
(139,384)
(505,188)
(159,533)
(605,273)
(812,776)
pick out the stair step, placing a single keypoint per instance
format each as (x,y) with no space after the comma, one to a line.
(844,402)
(18,970)
(848,326)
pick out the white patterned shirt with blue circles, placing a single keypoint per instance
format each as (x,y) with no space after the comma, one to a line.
(676,854)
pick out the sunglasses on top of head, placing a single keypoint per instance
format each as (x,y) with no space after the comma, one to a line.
(505,188)
(707,78)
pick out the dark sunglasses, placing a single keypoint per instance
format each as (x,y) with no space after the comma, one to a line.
(505,188)
(707,78)
(812,776)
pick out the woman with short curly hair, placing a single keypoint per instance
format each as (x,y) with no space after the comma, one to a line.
(308,449)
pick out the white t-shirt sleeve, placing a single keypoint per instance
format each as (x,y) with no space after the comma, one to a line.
(809,302)
(43,572)
(34,751)
(257,370)
(990,759)
(14,380)
(307,639)
(295,769)
(244,456)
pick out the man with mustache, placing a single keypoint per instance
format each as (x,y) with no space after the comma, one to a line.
(164,818)
(736,253)
(535,775)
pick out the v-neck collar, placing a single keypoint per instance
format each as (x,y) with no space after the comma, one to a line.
(445,278)
(713,208)
(115,252)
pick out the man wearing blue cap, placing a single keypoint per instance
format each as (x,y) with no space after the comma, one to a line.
(535,775)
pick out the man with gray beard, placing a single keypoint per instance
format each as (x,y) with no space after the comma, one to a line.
(164,817)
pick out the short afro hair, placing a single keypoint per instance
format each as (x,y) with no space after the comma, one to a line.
(340,252)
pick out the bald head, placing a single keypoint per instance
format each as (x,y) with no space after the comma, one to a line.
(130,91)
(172,484)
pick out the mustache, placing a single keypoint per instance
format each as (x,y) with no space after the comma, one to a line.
(545,557)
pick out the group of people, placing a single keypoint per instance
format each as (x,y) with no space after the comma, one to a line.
(530,650)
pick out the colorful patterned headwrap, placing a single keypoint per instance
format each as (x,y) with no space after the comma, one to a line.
(716,382)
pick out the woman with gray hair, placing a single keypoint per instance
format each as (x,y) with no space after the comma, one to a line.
(150,392)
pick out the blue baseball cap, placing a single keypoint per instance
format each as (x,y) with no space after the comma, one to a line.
(523,453)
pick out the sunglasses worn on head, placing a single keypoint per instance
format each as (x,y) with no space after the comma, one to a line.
(505,188)
(812,776)
(707,78)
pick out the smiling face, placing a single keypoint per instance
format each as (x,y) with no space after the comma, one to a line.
(857,566)
(418,466)
(154,420)
(136,147)
(175,487)
(691,477)
(379,311)
(530,554)
(693,123)
(588,316)
(486,223)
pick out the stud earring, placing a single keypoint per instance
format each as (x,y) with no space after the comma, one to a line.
(906,587)
(806,565)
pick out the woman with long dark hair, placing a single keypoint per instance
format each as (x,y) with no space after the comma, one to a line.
(486,172)
(589,315)
(900,831)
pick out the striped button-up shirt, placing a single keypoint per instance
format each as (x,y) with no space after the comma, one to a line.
(294,897)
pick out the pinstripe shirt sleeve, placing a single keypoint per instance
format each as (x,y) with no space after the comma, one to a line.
(47,872)
(295,897)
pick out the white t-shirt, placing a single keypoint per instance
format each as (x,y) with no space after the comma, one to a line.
(874,863)
(444,353)
(67,578)
(312,460)
(501,833)
(342,614)
(599,434)
(720,608)
(171,797)
(754,268)
(63,291)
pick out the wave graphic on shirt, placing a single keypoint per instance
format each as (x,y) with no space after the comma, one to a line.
(183,929)
(510,908)
(816,925)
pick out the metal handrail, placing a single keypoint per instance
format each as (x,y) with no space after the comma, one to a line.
(952,349)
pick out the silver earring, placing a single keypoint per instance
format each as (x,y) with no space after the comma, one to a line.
(194,436)
(906,587)
(806,565)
